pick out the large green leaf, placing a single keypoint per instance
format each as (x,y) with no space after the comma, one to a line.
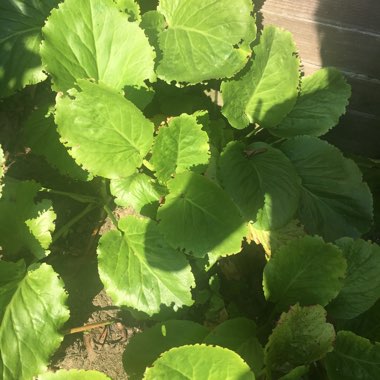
(39,128)
(334,200)
(301,336)
(20,36)
(138,191)
(324,98)
(204,39)
(262,182)
(25,226)
(199,217)
(199,362)
(306,270)
(267,92)
(143,349)
(239,335)
(107,134)
(34,312)
(139,270)
(92,39)
(179,146)
(362,284)
(73,374)
(353,358)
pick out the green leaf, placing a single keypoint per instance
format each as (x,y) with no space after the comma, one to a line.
(2,166)
(204,39)
(366,325)
(10,276)
(362,283)
(39,128)
(239,335)
(179,146)
(268,91)
(144,348)
(25,226)
(139,270)
(262,182)
(334,200)
(138,191)
(107,134)
(301,337)
(131,8)
(199,217)
(323,99)
(199,362)
(306,270)
(272,240)
(20,37)
(73,374)
(93,40)
(33,316)
(353,358)
(153,24)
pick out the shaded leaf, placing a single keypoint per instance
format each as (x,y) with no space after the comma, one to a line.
(306,270)
(323,99)
(33,316)
(107,134)
(334,200)
(138,191)
(204,39)
(353,358)
(40,128)
(268,91)
(199,217)
(262,182)
(362,283)
(139,270)
(25,226)
(199,362)
(93,40)
(179,146)
(144,348)
(20,37)
(239,335)
(301,337)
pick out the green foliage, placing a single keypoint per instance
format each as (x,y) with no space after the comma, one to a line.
(146,347)
(212,46)
(268,91)
(20,37)
(199,141)
(306,271)
(199,362)
(353,358)
(140,270)
(33,306)
(301,336)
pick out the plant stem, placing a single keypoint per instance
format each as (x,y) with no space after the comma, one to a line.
(74,220)
(78,197)
(111,215)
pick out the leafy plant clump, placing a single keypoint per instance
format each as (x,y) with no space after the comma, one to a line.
(241,240)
